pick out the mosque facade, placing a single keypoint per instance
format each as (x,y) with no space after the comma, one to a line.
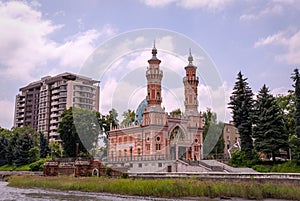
(157,135)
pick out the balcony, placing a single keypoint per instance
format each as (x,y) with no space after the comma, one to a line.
(54,103)
(53,134)
(53,128)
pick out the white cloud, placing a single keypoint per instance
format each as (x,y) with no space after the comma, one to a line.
(26,48)
(191,4)
(289,40)
(268,10)
(205,4)
(156,3)
(7,112)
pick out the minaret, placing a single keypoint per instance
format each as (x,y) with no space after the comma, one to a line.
(191,82)
(154,76)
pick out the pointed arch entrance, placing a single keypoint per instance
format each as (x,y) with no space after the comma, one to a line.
(177,143)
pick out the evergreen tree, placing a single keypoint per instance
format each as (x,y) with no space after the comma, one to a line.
(3,150)
(22,150)
(241,103)
(44,148)
(269,131)
(295,139)
(296,80)
(12,144)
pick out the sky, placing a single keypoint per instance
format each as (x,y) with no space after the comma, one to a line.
(259,38)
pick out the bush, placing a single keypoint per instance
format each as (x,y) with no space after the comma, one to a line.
(37,165)
(288,167)
(261,168)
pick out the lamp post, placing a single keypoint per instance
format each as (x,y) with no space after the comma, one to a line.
(77,149)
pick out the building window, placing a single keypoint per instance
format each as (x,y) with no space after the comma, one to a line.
(196,148)
(125,139)
(130,138)
(140,165)
(158,147)
(196,140)
(112,140)
(228,146)
(120,139)
(139,151)
(227,130)
(159,164)
(157,138)
(148,147)
(120,153)
(125,152)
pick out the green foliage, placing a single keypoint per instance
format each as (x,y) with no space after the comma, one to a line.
(287,167)
(128,117)
(241,103)
(21,151)
(261,168)
(55,150)
(37,165)
(79,126)
(163,188)
(269,131)
(34,154)
(239,159)
(296,141)
(108,171)
(43,146)
(176,112)
(3,150)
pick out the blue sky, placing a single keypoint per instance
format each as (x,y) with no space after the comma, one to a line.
(38,38)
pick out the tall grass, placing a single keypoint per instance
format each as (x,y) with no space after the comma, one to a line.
(167,188)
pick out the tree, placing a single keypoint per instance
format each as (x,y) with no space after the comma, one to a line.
(112,118)
(11,149)
(3,150)
(212,132)
(241,103)
(44,148)
(128,116)
(55,149)
(79,127)
(269,131)
(176,112)
(22,150)
(295,139)
(296,80)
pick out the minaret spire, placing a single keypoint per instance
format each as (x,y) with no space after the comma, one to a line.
(190,59)
(154,51)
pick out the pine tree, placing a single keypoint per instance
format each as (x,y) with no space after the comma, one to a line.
(3,150)
(296,79)
(241,103)
(295,139)
(43,146)
(269,131)
(21,152)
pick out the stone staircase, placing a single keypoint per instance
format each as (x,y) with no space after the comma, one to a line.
(217,166)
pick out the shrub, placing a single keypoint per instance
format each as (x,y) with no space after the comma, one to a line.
(37,165)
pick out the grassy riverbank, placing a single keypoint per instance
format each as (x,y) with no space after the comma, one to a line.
(161,188)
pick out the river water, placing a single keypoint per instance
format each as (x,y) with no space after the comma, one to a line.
(19,194)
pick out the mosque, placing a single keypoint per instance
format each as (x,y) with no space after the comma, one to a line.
(159,141)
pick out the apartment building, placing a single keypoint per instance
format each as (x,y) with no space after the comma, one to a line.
(231,138)
(41,103)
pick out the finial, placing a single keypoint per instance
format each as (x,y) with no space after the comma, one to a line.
(190,59)
(154,51)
